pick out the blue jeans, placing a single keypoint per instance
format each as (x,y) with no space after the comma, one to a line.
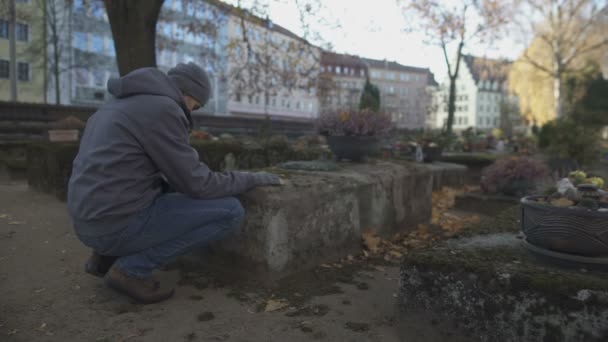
(172,226)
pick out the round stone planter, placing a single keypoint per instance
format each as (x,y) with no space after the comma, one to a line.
(353,148)
(576,231)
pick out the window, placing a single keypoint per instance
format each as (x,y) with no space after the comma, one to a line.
(110,47)
(80,40)
(346,70)
(466,120)
(495,121)
(257,100)
(23,71)
(337,70)
(22,32)
(237,97)
(82,77)
(391,90)
(4,69)
(3,28)
(97,42)
(99,78)
(479,121)
(322,68)
(361,72)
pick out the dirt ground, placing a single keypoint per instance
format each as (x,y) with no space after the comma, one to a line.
(46,296)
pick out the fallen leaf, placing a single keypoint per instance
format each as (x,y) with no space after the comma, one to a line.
(12,332)
(40,290)
(396,254)
(562,202)
(350,258)
(275,304)
(16,222)
(325,266)
(370,242)
(3,216)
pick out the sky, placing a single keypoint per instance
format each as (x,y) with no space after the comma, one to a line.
(376,29)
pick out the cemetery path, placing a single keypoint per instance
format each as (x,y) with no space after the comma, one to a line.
(46,296)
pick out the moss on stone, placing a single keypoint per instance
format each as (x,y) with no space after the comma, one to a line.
(524,272)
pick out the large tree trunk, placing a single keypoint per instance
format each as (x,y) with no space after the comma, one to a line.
(133,26)
(452,96)
(451,105)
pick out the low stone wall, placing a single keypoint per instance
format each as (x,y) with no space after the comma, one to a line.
(475,163)
(484,204)
(49,165)
(494,290)
(447,175)
(320,216)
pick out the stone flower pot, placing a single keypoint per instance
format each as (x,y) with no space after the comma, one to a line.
(432,153)
(353,148)
(63,135)
(577,231)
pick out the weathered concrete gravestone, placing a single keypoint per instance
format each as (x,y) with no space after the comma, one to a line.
(496,291)
(319,216)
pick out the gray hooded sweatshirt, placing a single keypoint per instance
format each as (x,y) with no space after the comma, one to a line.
(127,147)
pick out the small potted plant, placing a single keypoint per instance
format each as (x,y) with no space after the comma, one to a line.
(432,144)
(354,135)
(66,130)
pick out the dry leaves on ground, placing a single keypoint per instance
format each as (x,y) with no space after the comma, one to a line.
(275,304)
(444,224)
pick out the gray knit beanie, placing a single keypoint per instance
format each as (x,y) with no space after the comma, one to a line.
(192,80)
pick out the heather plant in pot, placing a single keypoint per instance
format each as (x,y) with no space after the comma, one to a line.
(513,176)
(354,135)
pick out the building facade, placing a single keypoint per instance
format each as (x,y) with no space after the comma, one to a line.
(341,81)
(29,30)
(403,91)
(481,92)
(271,71)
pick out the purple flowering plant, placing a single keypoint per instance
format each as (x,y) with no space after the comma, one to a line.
(354,123)
(510,174)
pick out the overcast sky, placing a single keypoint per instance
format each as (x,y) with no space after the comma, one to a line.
(375,29)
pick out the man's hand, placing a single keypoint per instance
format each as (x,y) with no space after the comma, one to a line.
(268,179)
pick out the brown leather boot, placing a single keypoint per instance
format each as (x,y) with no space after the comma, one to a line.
(98,265)
(144,291)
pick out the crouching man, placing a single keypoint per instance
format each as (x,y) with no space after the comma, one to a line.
(130,146)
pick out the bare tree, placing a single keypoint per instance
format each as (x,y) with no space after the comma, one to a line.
(569,31)
(453,25)
(266,59)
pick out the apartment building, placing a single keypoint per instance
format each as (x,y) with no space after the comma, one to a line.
(404,91)
(341,81)
(481,88)
(271,71)
(29,30)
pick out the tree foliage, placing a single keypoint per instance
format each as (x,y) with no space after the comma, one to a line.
(563,34)
(370,97)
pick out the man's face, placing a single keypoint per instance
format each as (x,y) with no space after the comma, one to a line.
(191,103)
